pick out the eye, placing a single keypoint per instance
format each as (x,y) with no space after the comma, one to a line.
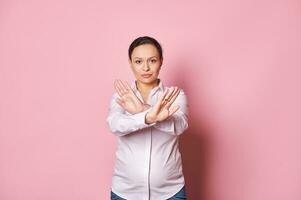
(137,61)
(153,60)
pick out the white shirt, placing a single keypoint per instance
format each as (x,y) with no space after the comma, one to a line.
(148,163)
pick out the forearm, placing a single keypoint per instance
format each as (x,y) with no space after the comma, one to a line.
(174,125)
(122,124)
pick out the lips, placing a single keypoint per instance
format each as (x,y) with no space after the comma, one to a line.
(146,75)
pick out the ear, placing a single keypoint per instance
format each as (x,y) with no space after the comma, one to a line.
(130,62)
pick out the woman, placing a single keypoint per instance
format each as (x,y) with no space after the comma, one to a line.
(147,117)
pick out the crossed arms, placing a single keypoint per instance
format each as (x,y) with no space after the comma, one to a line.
(128,114)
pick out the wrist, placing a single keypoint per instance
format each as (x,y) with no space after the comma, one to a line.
(149,119)
(145,107)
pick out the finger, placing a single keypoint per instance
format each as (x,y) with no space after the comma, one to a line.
(120,102)
(121,87)
(128,87)
(117,88)
(168,96)
(173,98)
(177,92)
(174,109)
(173,93)
(161,99)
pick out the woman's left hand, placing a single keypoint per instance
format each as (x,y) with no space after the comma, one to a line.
(163,109)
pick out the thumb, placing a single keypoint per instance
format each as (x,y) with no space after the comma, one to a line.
(120,102)
(158,104)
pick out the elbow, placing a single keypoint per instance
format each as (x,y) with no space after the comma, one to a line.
(116,129)
(183,127)
(118,132)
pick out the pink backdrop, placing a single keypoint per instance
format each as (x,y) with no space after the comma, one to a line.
(238,61)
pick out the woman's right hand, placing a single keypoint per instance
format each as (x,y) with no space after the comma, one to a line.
(128,99)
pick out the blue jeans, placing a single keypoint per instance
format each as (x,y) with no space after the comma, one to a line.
(178,196)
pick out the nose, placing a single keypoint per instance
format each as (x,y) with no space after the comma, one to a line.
(146,66)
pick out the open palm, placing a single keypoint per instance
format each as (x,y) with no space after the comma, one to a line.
(128,99)
(162,109)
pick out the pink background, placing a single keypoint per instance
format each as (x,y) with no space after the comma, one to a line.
(238,61)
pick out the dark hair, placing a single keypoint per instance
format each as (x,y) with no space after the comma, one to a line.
(145,40)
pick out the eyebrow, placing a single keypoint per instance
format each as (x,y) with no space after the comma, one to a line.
(149,57)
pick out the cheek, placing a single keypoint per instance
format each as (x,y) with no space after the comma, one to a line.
(157,69)
(136,70)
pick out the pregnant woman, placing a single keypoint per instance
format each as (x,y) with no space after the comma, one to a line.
(147,118)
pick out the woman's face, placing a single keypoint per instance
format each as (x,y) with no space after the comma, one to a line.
(145,63)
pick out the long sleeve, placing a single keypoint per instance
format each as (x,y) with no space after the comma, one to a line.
(178,122)
(122,123)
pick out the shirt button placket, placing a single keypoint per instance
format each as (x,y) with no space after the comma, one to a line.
(148,155)
(147,162)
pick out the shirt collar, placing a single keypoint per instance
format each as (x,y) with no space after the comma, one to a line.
(160,86)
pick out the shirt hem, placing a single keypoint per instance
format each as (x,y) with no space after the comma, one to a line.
(163,198)
(117,193)
(173,193)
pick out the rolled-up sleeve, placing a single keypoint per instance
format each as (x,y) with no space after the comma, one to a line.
(122,123)
(178,122)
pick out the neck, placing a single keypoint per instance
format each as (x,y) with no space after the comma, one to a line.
(145,88)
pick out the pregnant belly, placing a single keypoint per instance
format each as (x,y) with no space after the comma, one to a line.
(159,175)
(130,172)
(165,174)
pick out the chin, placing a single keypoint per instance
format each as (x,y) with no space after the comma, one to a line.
(147,81)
